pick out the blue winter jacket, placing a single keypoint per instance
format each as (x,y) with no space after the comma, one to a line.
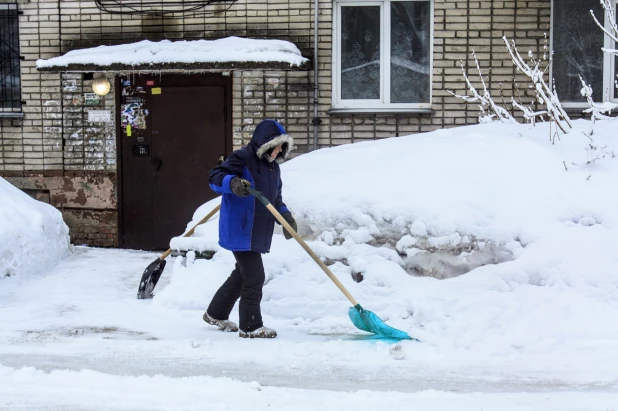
(245,224)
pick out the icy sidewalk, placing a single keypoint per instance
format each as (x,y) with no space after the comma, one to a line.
(136,354)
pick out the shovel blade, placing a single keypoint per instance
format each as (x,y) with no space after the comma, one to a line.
(149,279)
(367,321)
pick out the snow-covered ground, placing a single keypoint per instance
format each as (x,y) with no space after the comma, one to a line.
(33,235)
(523,317)
(75,338)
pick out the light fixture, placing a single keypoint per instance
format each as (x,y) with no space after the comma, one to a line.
(101,86)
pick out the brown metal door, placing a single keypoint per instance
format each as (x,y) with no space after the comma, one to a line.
(165,166)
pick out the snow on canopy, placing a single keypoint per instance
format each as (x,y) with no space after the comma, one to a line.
(33,235)
(230,49)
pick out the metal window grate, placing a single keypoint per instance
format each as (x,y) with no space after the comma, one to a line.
(10,82)
(159,7)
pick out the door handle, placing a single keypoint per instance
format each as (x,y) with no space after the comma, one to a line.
(156,162)
(221,159)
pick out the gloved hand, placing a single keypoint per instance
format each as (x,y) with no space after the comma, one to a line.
(290,220)
(238,188)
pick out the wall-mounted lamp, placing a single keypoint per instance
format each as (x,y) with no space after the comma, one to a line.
(101,86)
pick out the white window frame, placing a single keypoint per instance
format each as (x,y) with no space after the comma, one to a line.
(609,63)
(380,104)
(609,66)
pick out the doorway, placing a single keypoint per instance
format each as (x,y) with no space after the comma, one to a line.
(172,130)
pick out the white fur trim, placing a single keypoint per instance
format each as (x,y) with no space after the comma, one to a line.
(283,138)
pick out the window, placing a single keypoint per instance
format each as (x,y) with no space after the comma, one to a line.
(576,45)
(382,55)
(10,90)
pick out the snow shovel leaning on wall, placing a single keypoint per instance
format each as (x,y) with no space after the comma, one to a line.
(363,319)
(153,272)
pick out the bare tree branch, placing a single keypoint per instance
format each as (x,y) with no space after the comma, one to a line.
(598,111)
(543,92)
(611,15)
(485,99)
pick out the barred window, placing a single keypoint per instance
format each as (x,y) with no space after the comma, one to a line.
(10,83)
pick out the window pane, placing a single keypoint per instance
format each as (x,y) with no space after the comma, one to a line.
(410,52)
(10,96)
(577,46)
(360,52)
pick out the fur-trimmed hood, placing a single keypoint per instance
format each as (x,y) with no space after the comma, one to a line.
(268,135)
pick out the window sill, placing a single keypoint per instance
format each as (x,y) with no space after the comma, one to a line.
(381,111)
(11,115)
(582,108)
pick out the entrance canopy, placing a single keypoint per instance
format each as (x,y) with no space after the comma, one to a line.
(223,54)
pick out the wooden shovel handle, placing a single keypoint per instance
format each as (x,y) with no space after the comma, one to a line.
(191,231)
(300,241)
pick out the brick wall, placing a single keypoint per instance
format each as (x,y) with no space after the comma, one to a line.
(87,201)
(54,136)
(86,146)
(460,27)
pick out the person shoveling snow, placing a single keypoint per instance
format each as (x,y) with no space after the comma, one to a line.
(246,229)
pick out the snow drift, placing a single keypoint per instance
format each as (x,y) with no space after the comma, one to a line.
(524,232)
(446,201)
(32,233)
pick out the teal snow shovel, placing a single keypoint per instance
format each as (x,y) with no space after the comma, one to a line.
(363,319)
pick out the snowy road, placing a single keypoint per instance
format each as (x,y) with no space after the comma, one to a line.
(122,353)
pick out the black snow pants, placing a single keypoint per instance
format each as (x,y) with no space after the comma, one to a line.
(246,282)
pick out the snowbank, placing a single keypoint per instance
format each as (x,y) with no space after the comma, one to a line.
(527,247)
(32,234)
(477,192)
(230,49)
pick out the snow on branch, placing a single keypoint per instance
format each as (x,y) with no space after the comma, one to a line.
(597,111)
(611,16)
(499,113)
(529,114)
(545,95)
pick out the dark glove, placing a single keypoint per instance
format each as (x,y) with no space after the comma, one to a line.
(238,188)
(290,220)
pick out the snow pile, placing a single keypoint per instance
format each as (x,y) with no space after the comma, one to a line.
(32,234)
(527,248)
(230,49)
(447,201)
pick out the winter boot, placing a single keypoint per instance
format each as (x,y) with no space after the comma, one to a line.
(224,325)
(262,332)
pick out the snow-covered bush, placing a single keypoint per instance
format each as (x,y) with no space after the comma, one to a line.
(490,111)
(544,94)
(597,111)
(33,235)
